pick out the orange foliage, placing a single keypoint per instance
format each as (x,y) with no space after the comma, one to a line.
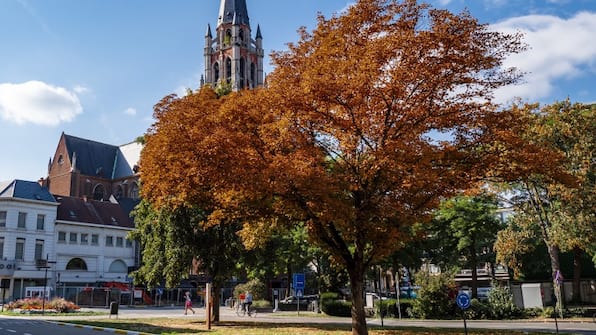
(344,137)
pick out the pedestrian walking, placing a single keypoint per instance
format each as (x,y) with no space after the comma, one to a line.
(188,303)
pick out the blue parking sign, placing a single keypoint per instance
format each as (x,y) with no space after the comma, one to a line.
(298,281)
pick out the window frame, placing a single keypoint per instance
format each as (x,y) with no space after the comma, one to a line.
(22,220)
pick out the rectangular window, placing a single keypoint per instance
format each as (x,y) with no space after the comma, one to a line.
(1,247)
(72,238)
(19,252)
(61,237)
(41,219)
(22,223)
(128,243)
(119,241)
(38,249)
(84,238)
(109,241)
(2,218)
(94,239)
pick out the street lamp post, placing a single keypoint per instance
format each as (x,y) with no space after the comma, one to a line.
(44,264)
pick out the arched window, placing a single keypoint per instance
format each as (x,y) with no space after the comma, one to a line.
(242,70)
(241,35)
(118,192)
(98,192)
(118,266)
(253,76)
(228,70)
(215,72)
(134,191)
(76,264)
(228,38)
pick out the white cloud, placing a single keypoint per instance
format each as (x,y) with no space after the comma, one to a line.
(38,103)
(130,111)
(81,89)
(558,49)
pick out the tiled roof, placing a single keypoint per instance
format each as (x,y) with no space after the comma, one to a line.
(233,11)
(103,160)
(25,190)
(92,158)
(92,211)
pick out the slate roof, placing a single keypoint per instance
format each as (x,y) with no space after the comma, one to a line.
(100,159)
(102,213)
(233,11)
(23,189)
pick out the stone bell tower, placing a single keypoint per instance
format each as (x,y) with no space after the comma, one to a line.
(233,56)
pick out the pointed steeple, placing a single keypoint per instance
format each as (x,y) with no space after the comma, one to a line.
(259,32)
(233,10)
(208,34)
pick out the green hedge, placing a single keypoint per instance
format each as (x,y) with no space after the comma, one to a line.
(331,305)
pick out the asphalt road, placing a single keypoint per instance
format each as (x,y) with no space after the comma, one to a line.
(583,327)
(20,326)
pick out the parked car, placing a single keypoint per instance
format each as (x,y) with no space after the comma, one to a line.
(305,299)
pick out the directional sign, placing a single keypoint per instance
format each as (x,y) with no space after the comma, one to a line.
(298,281)
(463,300)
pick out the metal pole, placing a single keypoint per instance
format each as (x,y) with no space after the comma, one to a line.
(45,283)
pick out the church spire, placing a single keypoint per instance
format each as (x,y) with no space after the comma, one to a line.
(233,10)
(232,56)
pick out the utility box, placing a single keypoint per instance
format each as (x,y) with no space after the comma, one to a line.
(113,309)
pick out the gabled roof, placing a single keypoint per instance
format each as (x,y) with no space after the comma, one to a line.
(103,213)
(92,158)
(233,11)
(28,190)
(100,159)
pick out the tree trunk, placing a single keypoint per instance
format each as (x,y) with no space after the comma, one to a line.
(474,265)
(577,273)
(553,252)
(357,288)
(215,300)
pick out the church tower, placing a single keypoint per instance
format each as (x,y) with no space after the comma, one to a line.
(232,56)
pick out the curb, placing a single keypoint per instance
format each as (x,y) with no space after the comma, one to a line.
(110,330)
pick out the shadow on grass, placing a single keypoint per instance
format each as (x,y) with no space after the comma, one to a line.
(248,327)
(139,326)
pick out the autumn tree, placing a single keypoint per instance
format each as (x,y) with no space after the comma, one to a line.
(558,212)
(464,230)
(342,138)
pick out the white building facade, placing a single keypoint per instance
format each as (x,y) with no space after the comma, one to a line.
(27,218)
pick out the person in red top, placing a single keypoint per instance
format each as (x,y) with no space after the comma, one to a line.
(188,303)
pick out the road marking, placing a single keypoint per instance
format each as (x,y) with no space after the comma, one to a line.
(11,330)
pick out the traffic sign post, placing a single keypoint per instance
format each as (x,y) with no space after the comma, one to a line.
(463,302)
(298,283)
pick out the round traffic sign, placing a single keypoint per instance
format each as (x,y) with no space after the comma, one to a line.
(463,300)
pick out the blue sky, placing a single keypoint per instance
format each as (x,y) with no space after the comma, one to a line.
(95,68)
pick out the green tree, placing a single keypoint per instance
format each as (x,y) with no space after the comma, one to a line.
(558,211)
(177,242)
(464,231)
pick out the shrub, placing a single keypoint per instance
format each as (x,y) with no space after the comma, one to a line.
(389,307)
(500,301)
(337,308)
(436,297)
(331,305)
(58,304)
(478,310)
(255,286)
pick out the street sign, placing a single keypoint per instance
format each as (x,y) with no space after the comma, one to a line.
(463,300)
(299,293)
(298,281)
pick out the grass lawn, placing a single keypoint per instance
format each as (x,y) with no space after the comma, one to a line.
(169,326)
